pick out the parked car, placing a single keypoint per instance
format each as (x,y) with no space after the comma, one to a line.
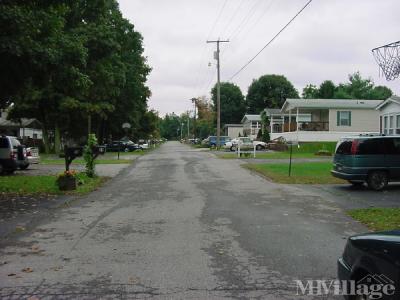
(245,144)
(212,140)
(372,258)
(371,159)
(12,155)
(123,146)
(32,153)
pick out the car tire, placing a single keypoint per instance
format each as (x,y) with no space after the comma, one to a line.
(356,183)
(233,148)
(126,150)
(377,180)
(259,147)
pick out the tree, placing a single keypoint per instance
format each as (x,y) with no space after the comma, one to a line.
(269,91)
(326,90)
(310,92)
(356,88)
(233,105)
(73,62)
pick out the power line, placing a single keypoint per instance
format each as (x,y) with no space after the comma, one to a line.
(245,20)
(232,17)
(275,36)
(199,77)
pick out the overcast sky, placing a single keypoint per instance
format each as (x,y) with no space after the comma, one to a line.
(329,40)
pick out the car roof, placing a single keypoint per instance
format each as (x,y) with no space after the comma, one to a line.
(389,236)
(352,137)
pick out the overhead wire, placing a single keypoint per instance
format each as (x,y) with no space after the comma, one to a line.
(270,41)
(201,79)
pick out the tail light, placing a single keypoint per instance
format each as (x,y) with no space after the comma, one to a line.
(28,153)
(354,147)
(13,155)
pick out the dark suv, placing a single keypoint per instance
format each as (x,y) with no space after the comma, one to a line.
(371,159)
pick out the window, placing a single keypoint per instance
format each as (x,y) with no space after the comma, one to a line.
(371,147)
(393,146)
(398,124)
(391,125)
(344,118)
(385,125)
(344,148)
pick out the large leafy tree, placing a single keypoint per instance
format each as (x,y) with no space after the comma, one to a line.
(269,91)
(72,62)
(233,105)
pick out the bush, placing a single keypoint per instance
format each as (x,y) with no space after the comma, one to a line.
(89,156)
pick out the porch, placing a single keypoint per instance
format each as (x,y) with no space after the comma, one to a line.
(300,120)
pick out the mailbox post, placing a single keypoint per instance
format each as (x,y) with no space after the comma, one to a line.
(70,154)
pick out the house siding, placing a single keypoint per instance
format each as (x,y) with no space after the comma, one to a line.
(362,120)
(233,132)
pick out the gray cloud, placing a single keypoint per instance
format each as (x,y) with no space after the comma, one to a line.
(328,41)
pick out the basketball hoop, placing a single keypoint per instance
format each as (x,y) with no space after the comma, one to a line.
(388,59)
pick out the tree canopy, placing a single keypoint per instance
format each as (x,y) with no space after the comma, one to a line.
(356,88)
(233,105)
(73,62)
(269,91)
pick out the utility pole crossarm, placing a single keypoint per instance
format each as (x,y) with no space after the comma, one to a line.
(218,88)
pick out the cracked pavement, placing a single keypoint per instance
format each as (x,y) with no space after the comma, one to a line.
(179,224)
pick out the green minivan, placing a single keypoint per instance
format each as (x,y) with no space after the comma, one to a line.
(371,159)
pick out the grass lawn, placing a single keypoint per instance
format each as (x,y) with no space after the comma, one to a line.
(306,150)
(271,155)
(45,184)
(378,219)
(107,158)
(80,161)
(302,173)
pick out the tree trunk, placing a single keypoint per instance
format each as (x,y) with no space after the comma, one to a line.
(45,136)
(89,124)
(57,139)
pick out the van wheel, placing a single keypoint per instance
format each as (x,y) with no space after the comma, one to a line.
(377,180)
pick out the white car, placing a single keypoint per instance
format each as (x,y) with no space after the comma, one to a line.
(245,144)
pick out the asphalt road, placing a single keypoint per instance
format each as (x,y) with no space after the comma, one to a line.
(180,224)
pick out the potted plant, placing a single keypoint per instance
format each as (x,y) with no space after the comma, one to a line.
(67,181)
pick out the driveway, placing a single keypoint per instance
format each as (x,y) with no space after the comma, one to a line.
(180,223)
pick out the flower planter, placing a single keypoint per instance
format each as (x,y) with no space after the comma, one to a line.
(67,183)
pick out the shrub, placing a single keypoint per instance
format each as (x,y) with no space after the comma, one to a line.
(89,156)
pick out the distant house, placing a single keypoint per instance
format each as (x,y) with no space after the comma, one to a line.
(26,128)
(233,130)
(251,125)
(389,111)
(308,120)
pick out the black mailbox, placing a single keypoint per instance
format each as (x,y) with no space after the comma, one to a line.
(70,154)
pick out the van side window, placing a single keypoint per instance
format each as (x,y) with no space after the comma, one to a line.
(371,147)
(393,146)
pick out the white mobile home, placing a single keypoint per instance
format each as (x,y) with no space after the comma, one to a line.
(389,111)
(308,120)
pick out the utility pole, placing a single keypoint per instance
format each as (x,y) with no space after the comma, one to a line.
(194,119)
(181,130)
(216,56)
(188,130)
